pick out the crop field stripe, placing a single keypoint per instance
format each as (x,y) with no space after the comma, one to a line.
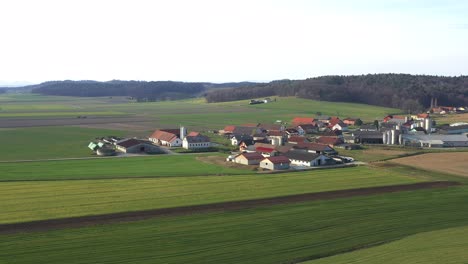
(38,200)
(441,246)
(226,206)
(262,235)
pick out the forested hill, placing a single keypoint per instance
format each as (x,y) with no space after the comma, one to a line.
(404,91)
(141,90)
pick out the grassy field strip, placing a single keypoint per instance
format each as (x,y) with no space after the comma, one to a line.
(149,166)
(46,142)
(442,246)
(275,234)
(27,201)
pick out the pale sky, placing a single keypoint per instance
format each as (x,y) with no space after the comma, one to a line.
(223,41)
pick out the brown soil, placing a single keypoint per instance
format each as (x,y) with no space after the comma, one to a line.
(45,225)
(453,162)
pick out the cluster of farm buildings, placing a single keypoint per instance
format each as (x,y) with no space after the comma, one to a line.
(170,138)
(306,142)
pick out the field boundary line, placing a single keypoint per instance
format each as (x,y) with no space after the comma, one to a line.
(83,221)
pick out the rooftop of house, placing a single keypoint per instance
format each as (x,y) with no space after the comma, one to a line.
(300,155)
(164,135)
(265,150)
(297,139)
(252,156)
(312,146)
(368,134)
(303,120)
(197,139)
(278,159)
(329,140)
(130,142)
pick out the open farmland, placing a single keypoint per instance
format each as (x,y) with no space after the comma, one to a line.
(194,113)
(48,142)
(454,163)
(442,246)
(272,234)
(114,167)
(39,200)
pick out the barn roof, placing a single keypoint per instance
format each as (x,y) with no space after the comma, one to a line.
(278,159)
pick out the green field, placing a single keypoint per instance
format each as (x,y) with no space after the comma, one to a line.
(278,234)
(48,142)
(448,246)
(115,167)
(35,200)
(192,113)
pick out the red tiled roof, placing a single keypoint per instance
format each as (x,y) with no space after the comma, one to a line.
(229,129)
(278,159)
(329,140)
(265,150)
(252,156)
(193,134)
(423,115)
(163,135)
(302,120)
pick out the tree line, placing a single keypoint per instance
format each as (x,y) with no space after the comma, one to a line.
(404,91)
(140,90)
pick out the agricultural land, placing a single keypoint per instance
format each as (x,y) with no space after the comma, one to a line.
(61,203)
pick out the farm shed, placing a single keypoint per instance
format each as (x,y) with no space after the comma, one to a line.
(368,137)
(275,163)
(132,145)
(306,159)
(249,158)
(435,140)
(196,142)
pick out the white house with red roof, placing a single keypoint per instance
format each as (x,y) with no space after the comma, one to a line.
(275,163)
(165,138)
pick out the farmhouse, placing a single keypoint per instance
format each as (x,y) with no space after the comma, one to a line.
(337,124)
(196,141)
(306,159)
(164,138)
(132,145)
(236,140)
(248,158)
(275,163)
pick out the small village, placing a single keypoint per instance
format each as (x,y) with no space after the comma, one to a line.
(302,143)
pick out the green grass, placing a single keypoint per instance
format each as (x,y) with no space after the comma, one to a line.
(116,167)
(278,234)
(194,113)
(448,246)
(48,142)
(36,200)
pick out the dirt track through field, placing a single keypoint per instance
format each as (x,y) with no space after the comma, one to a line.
(46,225)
